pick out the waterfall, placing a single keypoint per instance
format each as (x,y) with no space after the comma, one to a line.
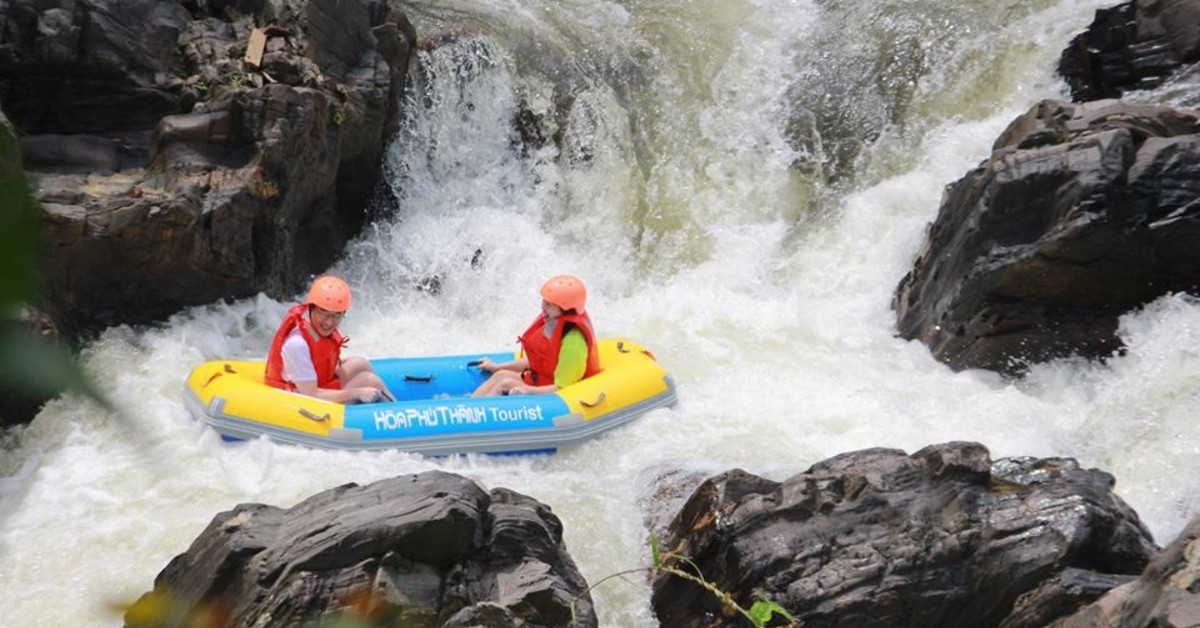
(741,183)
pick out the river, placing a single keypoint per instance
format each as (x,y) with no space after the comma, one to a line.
(742,184)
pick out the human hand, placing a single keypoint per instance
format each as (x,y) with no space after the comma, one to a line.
(487,366)
(367,394)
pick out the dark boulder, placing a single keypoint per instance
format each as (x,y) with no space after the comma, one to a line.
(1134,45)
(1081,214)
(1166,595)
(943,537)
(432,549)
(188,152)
(89,66)
(1062,595)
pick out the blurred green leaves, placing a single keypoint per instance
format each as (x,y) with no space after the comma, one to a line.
(29,363)
(18,225)
(35,366)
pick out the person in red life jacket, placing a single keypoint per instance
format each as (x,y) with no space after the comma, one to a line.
(306,354)
(559,347)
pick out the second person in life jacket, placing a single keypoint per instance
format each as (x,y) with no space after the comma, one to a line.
(559,347)
(306,354)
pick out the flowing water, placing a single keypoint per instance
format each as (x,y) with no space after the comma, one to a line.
(742,183)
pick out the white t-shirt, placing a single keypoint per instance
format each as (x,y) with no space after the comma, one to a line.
(297,359)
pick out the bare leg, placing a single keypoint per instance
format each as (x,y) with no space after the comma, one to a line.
(498,384)
(350,367)
(357,372)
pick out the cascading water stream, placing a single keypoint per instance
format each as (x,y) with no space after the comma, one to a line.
(742,184)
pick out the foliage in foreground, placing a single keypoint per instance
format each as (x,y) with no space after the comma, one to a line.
(363,611)
(761,613)
(29,364)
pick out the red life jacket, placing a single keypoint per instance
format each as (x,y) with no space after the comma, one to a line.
(326,352)
(542,351)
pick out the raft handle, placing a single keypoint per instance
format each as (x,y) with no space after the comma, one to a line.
(310,415)
(621,347)
(229,369)
(424,379)
(474,362)
(599,400)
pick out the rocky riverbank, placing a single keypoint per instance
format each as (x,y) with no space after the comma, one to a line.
(215,151)
(433,549)
(942,537)
(1083,212)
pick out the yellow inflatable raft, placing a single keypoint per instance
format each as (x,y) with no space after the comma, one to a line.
(433,413)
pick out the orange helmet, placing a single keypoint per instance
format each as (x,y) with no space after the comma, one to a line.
(565,291)
(329,293)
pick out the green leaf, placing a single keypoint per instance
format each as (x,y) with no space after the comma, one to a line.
(34,365)
(762,611)
(28,363)
(19,224)
(655,557)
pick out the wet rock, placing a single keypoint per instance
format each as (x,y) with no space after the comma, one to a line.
(432,549)
(1060,596)
(1132,46)
(942,537)
(1166,595)
(1081,214)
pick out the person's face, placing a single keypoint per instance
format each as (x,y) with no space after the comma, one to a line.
(551,310)
(324,321)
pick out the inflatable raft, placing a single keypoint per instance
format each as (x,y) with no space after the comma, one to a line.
(433,413)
